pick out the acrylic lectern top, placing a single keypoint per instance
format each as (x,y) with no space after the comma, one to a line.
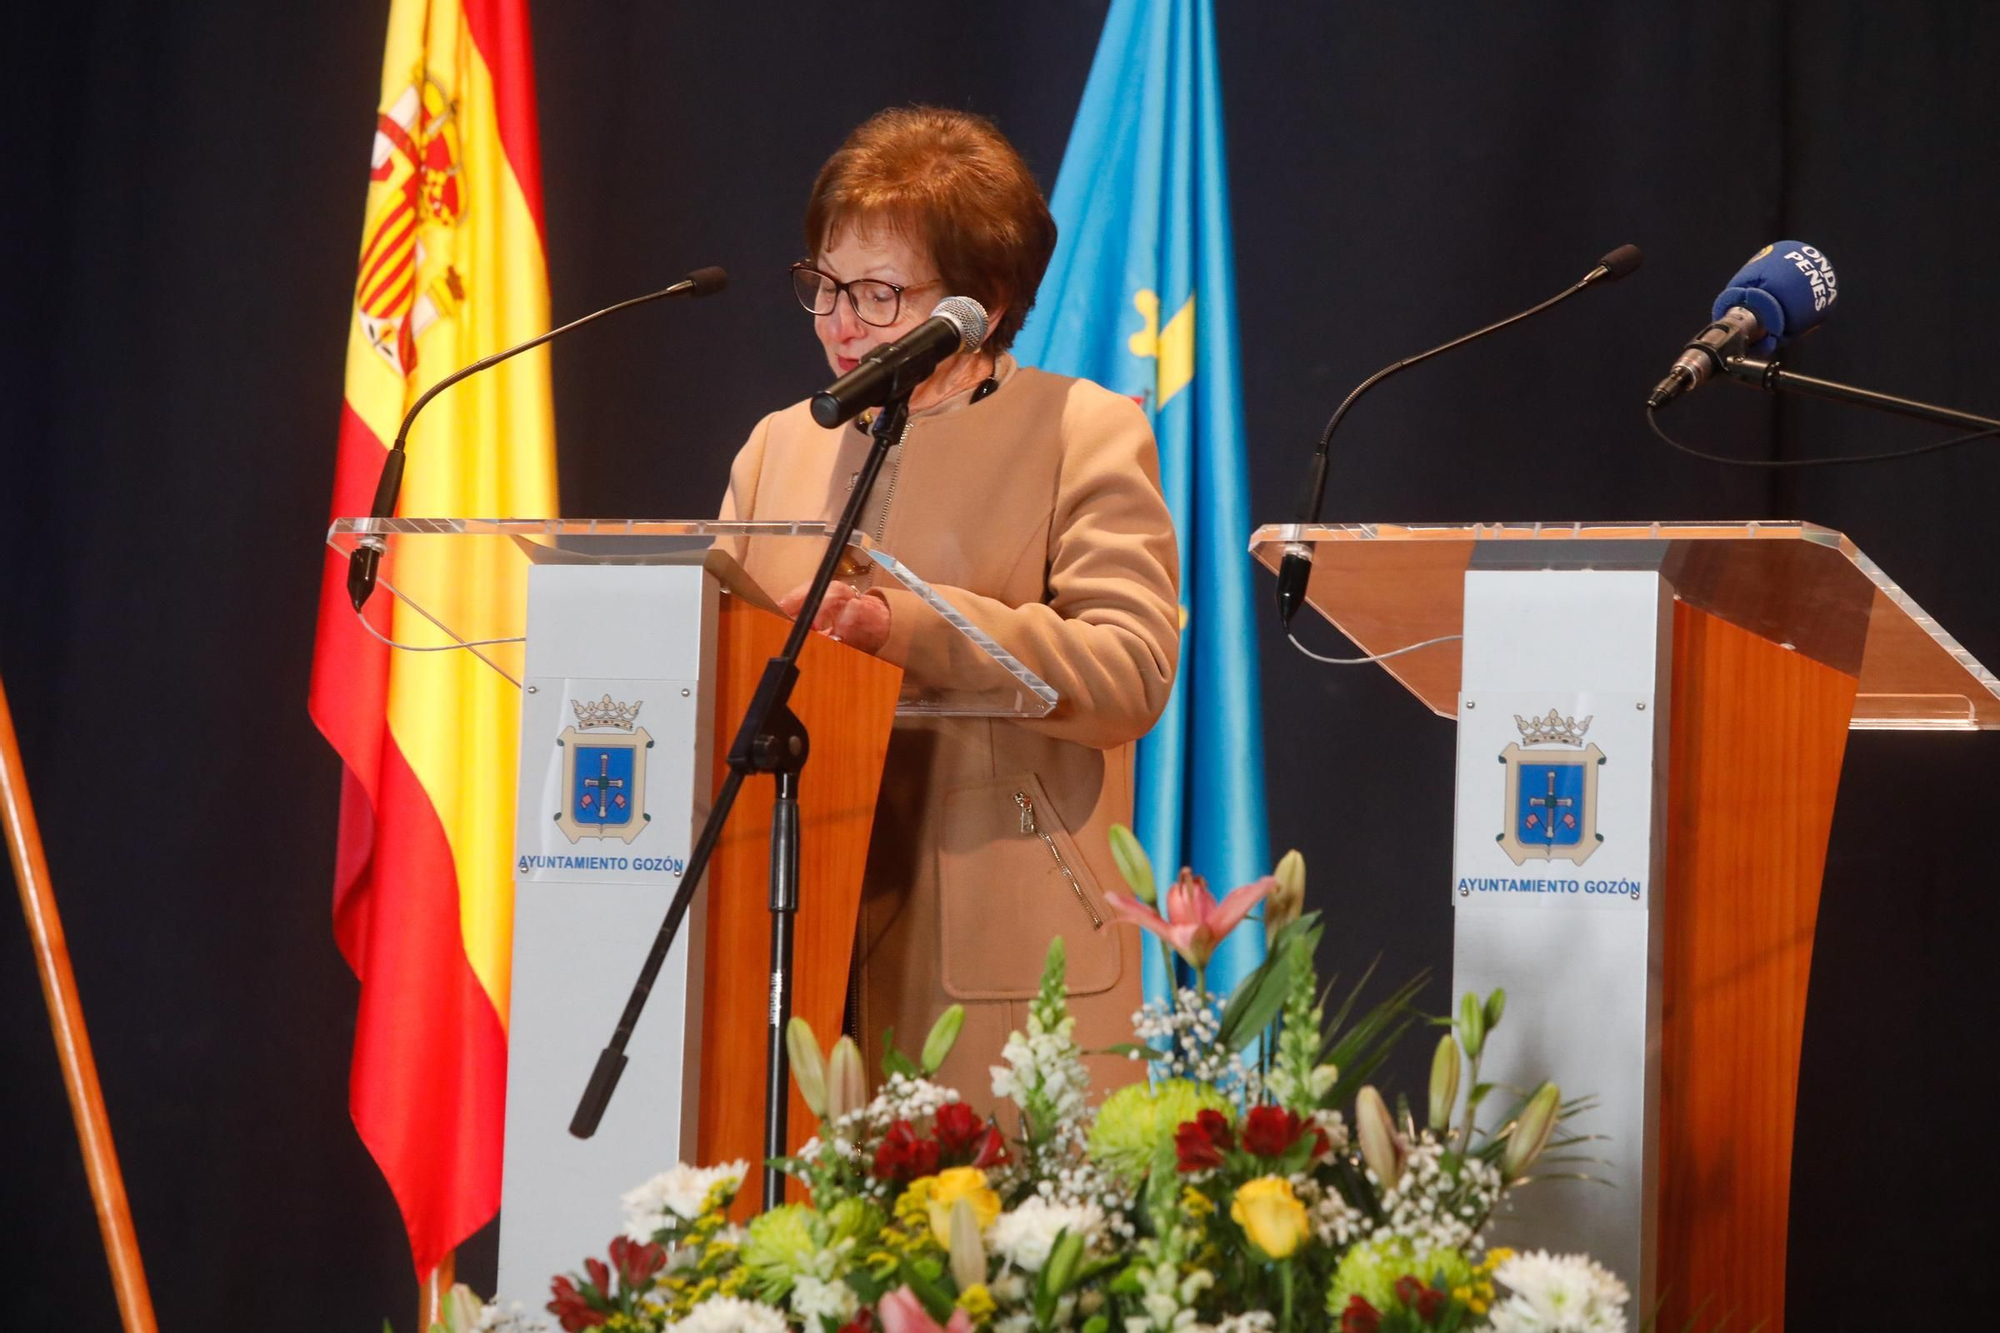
(461,583)
(1809,588)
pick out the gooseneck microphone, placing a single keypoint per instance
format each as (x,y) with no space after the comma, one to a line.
(957,323)
(366,557)
(1785,290)
(1296,567)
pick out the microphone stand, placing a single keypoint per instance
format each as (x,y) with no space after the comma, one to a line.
(771,740)
(1295,569)
(366,558)
(1761,373)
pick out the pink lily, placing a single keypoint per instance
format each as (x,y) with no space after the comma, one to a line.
(901,1312)
(1195,923)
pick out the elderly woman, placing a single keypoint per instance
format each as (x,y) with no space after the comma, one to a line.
(1032,503)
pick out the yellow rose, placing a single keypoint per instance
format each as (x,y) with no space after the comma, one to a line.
(1271,1215)
(947,1188)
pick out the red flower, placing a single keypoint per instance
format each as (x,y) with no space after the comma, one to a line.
(1360,1317)
(1407,1288)
(1430,1304)
(1199,1143)
(991,1150)
(1216,1125)
(1270,1131)
(863,1322)
(903,1157)
(636,1262)
(599,1275)
(963,1139)
(570,1308)
(957,1127)
(1193,1151)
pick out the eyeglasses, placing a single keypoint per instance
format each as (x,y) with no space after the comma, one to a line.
(875,302)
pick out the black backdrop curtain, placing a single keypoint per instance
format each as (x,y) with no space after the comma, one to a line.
(181,219)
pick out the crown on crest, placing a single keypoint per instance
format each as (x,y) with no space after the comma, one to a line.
(1553,729)
(605,713)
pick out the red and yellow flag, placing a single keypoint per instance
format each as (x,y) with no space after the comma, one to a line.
(451,268)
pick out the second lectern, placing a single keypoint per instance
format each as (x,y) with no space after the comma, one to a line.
(1651,721)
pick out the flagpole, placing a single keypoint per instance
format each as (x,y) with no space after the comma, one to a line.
(79,1066)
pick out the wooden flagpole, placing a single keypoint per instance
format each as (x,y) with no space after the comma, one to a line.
(79,1068)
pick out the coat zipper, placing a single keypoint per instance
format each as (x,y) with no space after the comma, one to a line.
(1028,825)
(889,495)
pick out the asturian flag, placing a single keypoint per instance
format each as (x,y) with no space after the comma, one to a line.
(1140,297)
(451,268)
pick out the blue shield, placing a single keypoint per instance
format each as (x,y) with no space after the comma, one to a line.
(602,785)
(1549,809)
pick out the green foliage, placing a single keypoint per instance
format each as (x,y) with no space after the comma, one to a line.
(925,1279)
(1299,1033)
(1134,866)
(1261,995)
(943,1036)
(808,1065)
(1051,1003)
(1057,1275)
(1471,1026)
(1358,1049)
(894,1062)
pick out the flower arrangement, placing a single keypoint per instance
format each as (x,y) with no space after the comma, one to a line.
(1257,1181)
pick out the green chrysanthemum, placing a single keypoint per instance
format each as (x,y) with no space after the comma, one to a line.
(1370,1271)
(853,1219)
(1137,1122)
(779,1249)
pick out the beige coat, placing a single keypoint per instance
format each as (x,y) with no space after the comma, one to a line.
(1037,513)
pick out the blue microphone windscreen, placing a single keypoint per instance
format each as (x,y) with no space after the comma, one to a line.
(1789,286)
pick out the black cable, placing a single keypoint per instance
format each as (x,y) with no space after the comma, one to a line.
(1653,420)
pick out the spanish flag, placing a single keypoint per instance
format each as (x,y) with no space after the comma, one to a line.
(451,268)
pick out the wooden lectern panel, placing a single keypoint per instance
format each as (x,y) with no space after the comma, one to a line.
(1758,737)
(847,701)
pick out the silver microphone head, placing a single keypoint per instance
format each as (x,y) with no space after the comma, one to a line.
(968,315)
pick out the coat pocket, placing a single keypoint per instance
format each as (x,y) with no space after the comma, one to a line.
(1011,880)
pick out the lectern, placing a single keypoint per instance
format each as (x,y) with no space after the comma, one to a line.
(1651,720)
(636,646)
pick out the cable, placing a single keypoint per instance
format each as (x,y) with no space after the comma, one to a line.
(1374,657)
(433,647)
(455,644)
(1652,420)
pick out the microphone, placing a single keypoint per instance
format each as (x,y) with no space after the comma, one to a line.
(1785,290)
(1296,567)
(366,557)
(957,323)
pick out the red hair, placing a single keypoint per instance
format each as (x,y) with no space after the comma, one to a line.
(949,182)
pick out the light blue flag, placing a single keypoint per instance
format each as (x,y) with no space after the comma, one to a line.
(1141,298)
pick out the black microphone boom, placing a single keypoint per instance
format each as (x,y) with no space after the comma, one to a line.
(367,555)
(958,323)
(1296,567)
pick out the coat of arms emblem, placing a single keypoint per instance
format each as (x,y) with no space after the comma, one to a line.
(603,771)
(1551,805)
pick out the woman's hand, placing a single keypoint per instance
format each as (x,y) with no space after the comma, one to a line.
(846,616)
